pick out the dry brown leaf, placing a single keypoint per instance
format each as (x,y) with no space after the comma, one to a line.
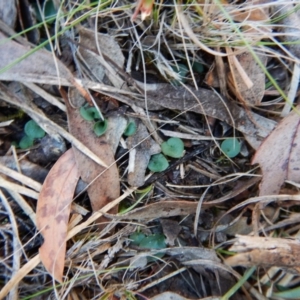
(211,104)
(279,155)
(266,252)
(53,211)
(8,12)
(291,27)
(31,67)
(170,229)
(105,184)
(250,13)
(40,66)
(103,63)
(247,79)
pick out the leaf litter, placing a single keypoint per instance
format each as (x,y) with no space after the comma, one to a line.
(244,106)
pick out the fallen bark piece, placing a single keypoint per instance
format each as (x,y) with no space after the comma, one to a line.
(266,252)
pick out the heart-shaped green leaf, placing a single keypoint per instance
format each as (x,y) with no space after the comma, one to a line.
(231,147)
(173,147)
(26,142)
(137,237)
(33,130)
(158,163)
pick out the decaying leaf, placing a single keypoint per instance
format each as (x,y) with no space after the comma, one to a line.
(53,211)
(203,101)
(206,257)
(104,63)
(249,12)
(21,63)
(142,147)
(247,79)
(115,129)
(279,155)
(266,252)
(291,27)
(31,68)
(171,230)
(8,12)
(104,182)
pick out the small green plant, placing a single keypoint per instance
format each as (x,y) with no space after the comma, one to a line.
(49,12)
(32,131)
(100,127)
(91,114)
(158,163)
(173,147)
(182,71)
(231,147)
(130,129)
(198,67)
(153,241)
(26,142)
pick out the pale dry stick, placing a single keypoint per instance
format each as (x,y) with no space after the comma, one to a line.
(18,188)
(195,137)
(48,97)
(50,41)
(49,126)
(15,156)
(243,75)
(23,204)
(157,281)
(36,259)
(138,41)
(185,50)
(25,180)
(262,201)
(13,294)
(199,205)
(293,90)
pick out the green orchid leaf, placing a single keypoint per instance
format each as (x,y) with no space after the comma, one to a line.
(130,129)
(158,163)
(89,114)
(182,70)
(33,130)
(100,127)
(173,147)
(137,237)
(231,147)
(154,241)
(26,142)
